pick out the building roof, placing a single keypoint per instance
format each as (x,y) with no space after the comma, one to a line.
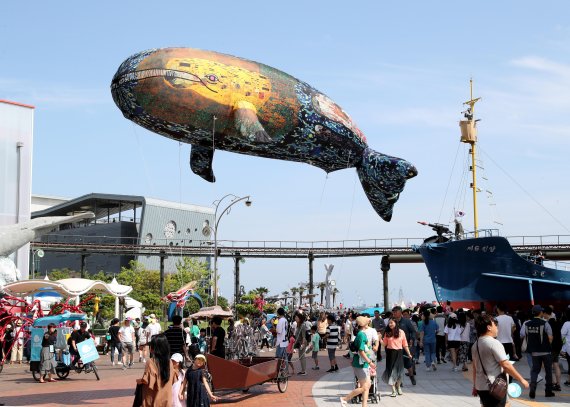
(103,205)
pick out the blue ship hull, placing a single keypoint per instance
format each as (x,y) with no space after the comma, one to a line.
(484,271)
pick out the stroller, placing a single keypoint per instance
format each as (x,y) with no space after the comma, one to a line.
(373,394)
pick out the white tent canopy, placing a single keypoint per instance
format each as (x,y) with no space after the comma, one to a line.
(67,287)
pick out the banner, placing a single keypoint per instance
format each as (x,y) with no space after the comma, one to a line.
(88,351)
(37,335)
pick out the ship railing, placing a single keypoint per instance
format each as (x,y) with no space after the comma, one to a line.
(479,233)
(558,265)
(545,240)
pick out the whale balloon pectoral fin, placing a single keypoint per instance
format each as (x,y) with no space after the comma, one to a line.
(247,123)
(383,178)
(201,162)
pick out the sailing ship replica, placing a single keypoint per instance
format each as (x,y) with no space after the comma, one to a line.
(482,270)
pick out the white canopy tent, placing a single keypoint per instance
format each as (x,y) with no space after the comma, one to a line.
(69,287)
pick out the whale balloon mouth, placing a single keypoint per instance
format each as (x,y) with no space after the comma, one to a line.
(168,74)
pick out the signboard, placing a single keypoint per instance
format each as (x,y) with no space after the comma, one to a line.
(88,351)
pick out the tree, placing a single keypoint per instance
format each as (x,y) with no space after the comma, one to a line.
(261,291)
(294,292)
(322,286)
(335,291)
(301,292)
(285,294)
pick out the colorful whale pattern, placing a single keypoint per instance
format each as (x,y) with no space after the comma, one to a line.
(217,101)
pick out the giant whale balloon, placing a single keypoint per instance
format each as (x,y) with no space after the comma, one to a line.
(217,101)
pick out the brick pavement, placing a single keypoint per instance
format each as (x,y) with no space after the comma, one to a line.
(317,389)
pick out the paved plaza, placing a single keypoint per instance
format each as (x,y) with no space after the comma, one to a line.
(317,389)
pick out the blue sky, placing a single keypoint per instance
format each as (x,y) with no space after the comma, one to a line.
(401,72)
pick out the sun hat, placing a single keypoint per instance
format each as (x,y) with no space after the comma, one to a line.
(362,320)
(177,357)
(200,356)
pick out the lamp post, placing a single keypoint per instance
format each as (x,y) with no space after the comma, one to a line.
(36,262)
(234,200)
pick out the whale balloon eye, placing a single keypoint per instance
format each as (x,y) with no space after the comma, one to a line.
(212,78)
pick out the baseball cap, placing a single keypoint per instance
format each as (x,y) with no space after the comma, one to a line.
(83,324)
(536,309)
(177,357)
(453,315)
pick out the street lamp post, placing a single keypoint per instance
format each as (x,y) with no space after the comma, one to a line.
(234,200)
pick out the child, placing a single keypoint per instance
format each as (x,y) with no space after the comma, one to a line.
(199,392)
(178,372)
(314,346)
(290,351)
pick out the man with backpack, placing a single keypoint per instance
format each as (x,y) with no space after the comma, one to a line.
(539,337)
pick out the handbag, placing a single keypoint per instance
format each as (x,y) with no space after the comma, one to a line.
(497,389)
(138,401)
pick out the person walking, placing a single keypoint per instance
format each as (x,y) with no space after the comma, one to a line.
(428,333)
(47,355)
(115,341)
(301,342)
(127,337)
(360,364)
(332,336)
(565,335)
(506,326)
(175,336)
(550,317)
(440,349)
(539,337)
(452,338)
(489,360)
(410,331)
(379,325)
(465,333)
(281,329)
(18,348)
(157,379)
(395,343)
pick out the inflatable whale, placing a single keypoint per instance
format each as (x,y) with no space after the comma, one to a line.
(216,101)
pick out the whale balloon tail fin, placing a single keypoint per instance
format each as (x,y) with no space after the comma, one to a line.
(383,178)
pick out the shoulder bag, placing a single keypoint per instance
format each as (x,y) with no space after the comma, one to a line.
(497,389)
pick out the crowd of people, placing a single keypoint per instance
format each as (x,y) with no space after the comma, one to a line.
(488,342)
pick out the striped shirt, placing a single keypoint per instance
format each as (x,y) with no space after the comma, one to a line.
(333,333)
(175,336)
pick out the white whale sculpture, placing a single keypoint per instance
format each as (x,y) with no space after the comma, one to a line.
(12,237)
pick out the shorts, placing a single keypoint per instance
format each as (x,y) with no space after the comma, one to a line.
(361,373)
(128,347)
(315,354)
(452,344)
(331,353)
(555,357)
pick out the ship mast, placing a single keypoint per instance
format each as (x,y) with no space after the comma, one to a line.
(469,136)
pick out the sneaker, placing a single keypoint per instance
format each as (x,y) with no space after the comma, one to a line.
(556,387)
(433,367)
(443,360)
(335,368)
(394,394)
(549,394)
(144,360)
(302,374)
(330,370)
(343,402)
(113,363)
(429,369)
(454,369)
(140,359)
(315,368)
(413,379)
(567,383)
(261,351)
(399,391)
(532,394)
(124,367)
